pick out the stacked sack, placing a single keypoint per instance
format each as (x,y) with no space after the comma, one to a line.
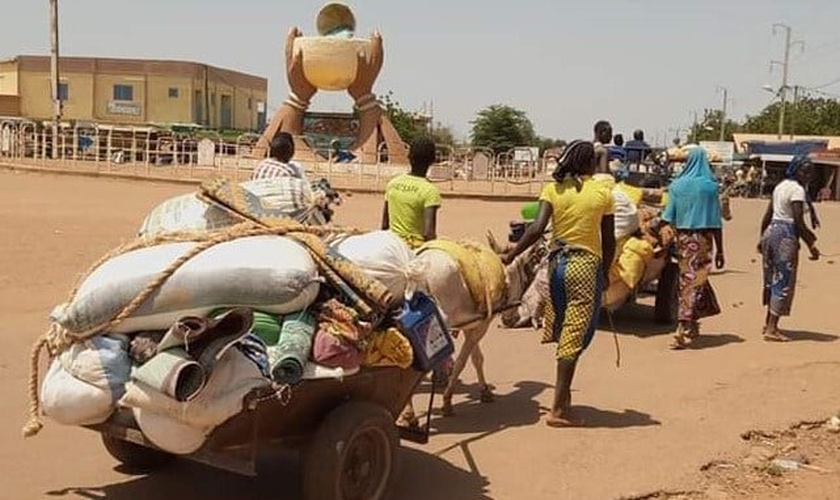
(236,315)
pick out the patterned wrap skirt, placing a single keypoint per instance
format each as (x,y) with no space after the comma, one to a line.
(696,296)
(576,284)
(780,256)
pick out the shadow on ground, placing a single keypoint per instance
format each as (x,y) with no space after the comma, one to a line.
(710,341)
(804,336)
(422,476)
(637,320)
(595,418)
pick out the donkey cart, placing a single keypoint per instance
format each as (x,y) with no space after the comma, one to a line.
(345,430)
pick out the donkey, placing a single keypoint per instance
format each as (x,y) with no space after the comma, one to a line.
(444,282)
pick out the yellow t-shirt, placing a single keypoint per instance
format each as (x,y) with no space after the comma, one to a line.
(408,196)
(576,216)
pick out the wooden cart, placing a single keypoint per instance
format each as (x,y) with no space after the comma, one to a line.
(345,430)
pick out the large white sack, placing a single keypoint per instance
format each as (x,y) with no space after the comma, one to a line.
(626,215)
(268,273)
(84,382)
(185,213)
(383,256)
(286,196)
(70,401)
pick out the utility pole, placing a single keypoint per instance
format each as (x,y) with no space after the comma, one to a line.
(54,77)
(784,64)
(694,128)
(793,111)
(723,113)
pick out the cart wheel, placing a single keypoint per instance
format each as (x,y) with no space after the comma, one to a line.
(135,456)
(353,455)
(667,295)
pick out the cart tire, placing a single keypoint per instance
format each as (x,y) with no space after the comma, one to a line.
(353,455)
(667,295)
(135,456)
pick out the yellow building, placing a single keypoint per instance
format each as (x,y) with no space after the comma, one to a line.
(133,91)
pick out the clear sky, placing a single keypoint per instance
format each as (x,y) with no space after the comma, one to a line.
(640,64)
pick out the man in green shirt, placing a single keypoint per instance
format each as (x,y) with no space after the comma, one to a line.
(411,201)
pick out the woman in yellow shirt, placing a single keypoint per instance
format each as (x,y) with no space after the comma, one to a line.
(580,210)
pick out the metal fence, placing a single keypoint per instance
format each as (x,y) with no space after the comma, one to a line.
(163,154)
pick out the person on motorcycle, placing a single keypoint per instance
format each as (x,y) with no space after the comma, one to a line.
(411,201)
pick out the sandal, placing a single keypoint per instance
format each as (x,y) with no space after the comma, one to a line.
(678,343)
(681,339)
(693,331)
(775,336)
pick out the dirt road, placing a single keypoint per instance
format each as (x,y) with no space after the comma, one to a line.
(653,422)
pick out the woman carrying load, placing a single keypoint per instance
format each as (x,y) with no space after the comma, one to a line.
(693,212)
(580,210)
(781,229)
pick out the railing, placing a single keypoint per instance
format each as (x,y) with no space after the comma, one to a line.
(152,153)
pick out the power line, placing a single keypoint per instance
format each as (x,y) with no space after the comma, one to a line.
(829,84)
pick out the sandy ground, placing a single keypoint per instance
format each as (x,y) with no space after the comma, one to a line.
(652,423)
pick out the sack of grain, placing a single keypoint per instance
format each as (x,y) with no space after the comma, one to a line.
(85,382)
(383,256)
(278,196)
(185,213)
(267,273)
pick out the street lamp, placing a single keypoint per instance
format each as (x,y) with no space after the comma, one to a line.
(781,92)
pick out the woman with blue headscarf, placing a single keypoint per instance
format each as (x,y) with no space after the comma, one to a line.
(694,213)
(781,229)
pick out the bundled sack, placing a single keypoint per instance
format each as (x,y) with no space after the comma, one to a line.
(186,213)
(269,273)
(287,197)
(383,256)
(85,382)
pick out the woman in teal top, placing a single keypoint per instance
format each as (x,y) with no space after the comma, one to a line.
(694,213)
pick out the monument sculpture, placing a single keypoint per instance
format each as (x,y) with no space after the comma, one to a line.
(335,61)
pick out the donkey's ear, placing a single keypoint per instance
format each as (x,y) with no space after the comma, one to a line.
(494,245)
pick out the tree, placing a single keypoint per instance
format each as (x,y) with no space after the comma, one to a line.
(809,116)
(408,124)
(442,134)
(708,129)
(546,143)
(501,128)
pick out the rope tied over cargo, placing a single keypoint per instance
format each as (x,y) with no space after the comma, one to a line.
(57,339)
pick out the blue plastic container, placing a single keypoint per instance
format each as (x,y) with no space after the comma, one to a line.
(421,322)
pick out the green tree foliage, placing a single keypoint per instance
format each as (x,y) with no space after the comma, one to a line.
(708,129)
(809,116)
(547,143)
(442,134)
(407,123)
(501,128)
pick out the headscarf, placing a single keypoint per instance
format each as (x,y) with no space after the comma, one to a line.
(693,201)
(792,169)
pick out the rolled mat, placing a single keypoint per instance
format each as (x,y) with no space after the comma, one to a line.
(290,355)
(266,326)
(174,373)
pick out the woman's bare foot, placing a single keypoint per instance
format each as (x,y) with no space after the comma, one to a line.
(562,420)
(775,335)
